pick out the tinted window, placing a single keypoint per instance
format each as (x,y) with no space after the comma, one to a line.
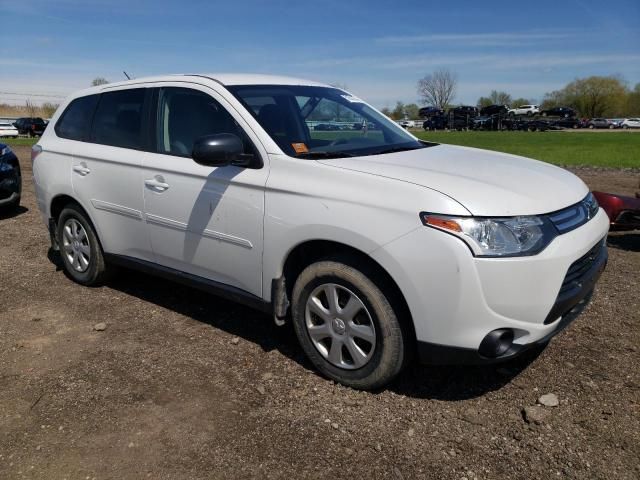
(185,115)
(118,119)
(75,120)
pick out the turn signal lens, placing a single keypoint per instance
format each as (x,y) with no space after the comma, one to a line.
(438,222)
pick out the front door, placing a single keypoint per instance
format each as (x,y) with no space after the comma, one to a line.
(203,220)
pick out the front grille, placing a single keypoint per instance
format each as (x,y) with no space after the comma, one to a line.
(579,281)
(572,217)
(579,268)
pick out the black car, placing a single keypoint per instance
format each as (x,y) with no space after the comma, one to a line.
(567,123)
(494,110)
(464,111)
(564,112)
(32,126)
(10,179)
(427,112)
(327,127)
(442,122)
(438,122)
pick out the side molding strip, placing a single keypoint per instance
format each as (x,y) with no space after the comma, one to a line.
(223,237)
(118,209)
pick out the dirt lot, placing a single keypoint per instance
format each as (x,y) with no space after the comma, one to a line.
(184,386)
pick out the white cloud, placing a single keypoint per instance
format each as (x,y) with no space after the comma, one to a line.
(475,39)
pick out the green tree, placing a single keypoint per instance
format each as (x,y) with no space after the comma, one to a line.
(386,111)
(632,108)
(398,112)
(411,111)
(594,96)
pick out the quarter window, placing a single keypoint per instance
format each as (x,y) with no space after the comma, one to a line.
(118,119)
(184,115)
(74,122)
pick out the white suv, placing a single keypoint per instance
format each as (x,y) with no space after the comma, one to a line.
(630,123)
(375,245)
(524,110)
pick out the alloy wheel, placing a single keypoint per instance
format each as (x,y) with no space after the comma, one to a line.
(340,326)
(75,244)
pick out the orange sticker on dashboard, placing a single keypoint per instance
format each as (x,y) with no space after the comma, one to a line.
(300,147)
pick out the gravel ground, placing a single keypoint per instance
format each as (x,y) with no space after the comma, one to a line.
(179,385)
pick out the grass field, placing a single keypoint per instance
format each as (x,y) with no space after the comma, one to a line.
(598,149)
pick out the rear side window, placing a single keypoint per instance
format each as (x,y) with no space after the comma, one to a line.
(76,119)
(118,119)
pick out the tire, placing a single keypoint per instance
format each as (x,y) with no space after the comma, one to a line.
(15,203)
(386,351)
(626,127)
(93,270)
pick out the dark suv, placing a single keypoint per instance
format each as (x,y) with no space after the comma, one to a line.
(494,110)
(428,112)
(33,126)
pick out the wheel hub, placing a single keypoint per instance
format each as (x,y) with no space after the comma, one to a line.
(338,326)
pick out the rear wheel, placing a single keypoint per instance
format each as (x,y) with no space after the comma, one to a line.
(346,324)
(79,247)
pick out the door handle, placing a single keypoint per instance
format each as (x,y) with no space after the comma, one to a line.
(82,169)
(157,183)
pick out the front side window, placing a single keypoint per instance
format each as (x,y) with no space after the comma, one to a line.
(184,115)
(118,119)
(308,121)
(76,119)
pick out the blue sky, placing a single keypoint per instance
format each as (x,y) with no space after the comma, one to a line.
(377,49)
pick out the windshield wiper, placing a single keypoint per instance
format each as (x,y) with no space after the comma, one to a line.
(322,154)
(397,149)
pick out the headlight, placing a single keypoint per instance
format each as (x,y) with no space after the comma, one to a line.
(4,151)
(497,237)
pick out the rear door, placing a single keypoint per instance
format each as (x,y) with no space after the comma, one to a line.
(106,171)
(206,221)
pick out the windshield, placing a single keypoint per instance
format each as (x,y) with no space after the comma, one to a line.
(313,122)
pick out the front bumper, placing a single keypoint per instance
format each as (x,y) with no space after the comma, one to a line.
(456,299)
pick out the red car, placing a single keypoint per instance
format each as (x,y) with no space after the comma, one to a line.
(624,212)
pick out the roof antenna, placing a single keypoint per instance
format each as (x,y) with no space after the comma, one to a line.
(126,75)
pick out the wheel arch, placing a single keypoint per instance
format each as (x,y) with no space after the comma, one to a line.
(60,201)
(307,252)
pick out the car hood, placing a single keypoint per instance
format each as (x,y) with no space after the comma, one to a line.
(486,183)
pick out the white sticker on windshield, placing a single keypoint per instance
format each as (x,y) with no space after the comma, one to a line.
(351,98)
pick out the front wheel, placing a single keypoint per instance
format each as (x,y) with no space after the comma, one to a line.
(346,324)
(79,247)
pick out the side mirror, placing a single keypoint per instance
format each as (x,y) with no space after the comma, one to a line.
(217,150)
